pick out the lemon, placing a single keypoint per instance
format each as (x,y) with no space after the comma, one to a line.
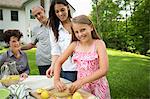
(14,77)
(69,97)
(39,90)
(45,94)
(77,95)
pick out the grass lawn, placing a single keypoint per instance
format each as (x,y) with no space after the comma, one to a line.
(128,76)
(32,62)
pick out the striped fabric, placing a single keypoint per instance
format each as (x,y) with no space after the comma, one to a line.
(19,91)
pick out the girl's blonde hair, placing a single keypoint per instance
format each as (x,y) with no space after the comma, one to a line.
(83,19)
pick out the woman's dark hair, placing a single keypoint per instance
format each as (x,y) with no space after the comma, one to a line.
(9,33)
(54,20)
(83,19)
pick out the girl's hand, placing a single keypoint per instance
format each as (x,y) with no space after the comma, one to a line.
(60,86)
(75,86)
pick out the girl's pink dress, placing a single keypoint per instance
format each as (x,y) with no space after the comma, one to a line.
(87,63)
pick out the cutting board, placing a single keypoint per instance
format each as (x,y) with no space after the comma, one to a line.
(85,95)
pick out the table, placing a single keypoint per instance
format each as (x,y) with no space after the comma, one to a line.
(41,81)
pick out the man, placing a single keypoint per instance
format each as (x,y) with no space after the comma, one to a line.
(40,39)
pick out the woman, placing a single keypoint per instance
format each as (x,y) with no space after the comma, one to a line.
(14,54)
(60,22)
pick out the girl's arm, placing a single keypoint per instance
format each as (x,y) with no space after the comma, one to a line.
(103,64)
(58,64)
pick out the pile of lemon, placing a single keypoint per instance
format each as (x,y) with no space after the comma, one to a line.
(46,95)
(43,93)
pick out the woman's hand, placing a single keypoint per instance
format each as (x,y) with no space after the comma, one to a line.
(60,86)
(50,72)
(75,86)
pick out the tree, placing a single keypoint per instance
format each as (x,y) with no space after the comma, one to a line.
(106,11)
(141,25)
(129,32)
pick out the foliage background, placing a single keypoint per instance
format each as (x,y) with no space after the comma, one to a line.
(129,32)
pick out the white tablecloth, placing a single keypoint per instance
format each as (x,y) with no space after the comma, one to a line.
(39,81)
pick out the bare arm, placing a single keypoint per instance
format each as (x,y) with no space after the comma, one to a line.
(54,58)
(103,63)
(58,64)
(28,46)
(63,57)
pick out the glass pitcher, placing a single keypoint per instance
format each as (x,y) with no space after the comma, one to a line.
(9,74)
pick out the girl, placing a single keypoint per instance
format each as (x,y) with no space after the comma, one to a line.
(90,57)
(60,21)
(14,54)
